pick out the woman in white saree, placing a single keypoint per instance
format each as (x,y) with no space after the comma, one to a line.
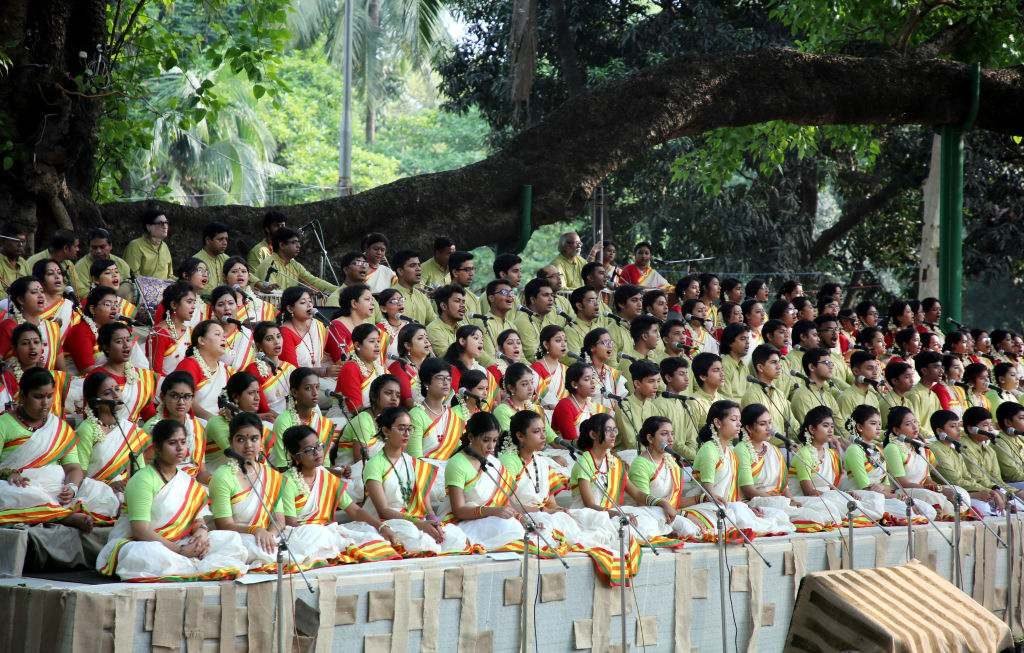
(866,472)
(238,345)
(247,497)
(176,395)
(659,480)
(905,457)
(161,535)
(203,362)
(532,473)
(398,487)
(479,488)
(716,466)
(763,474)
(317,495)
(110,447)
(41,476)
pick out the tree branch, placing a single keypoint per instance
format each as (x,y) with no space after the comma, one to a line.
(594,133)
(853,214)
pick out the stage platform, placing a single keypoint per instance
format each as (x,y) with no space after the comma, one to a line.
(470,604)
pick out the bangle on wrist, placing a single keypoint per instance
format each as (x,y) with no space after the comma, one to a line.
(480,511)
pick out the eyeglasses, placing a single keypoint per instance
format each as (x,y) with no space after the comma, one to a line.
(360,263)
(504,292)
(174,396)
(466,270)
(827,362)
(405,429)
(612,430)
(313,450)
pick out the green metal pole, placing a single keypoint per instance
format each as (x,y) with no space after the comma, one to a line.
(525,216)
(951,209)
(951,225)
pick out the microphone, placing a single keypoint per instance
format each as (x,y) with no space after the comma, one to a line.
(111,403)
(472,454)
(565,316)
(678,346)
(1012,431)
(241,291)
(962,384)
(231,320)
(674,395)
(68,291)
(616,318)
(395,357)
(129,321)
(610,395)
(994,387)
(785,439)
(974,430)
(260,356)
(631,359)
(753,379)
(528,311)
(270,270)
(565,444)
(952,321)
(799,375)
(405,318)
(573,355)
(912,442)
(479,316)
(466,392)
(866,381)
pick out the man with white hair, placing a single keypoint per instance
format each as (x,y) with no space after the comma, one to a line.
(569,263)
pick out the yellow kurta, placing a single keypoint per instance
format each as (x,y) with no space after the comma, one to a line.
(149,260)
(777,405)
(10,271)
(259,251)
(735,384)
(571,269)
(82,269)
(417,305)
(291,274)
(492,329)
(215,265)
(433,275)
(441,336)
(805,398)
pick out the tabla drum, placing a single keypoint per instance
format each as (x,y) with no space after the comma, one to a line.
(150,291)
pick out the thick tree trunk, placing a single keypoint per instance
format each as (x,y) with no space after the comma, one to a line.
(52,124)
(567,155)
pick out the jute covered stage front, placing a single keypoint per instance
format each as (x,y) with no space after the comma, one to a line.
(471,603)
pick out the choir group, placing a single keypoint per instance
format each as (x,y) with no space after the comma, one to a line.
(226,403)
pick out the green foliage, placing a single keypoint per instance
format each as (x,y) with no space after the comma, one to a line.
(180,39)
(432,140)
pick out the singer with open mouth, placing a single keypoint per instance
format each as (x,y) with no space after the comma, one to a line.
(238,345)
(109,446)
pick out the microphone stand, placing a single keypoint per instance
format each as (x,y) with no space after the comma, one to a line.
(624,525)
(282,549)
(957,502)
(530,527)
(317,230)
(851,506)
(909,500)
(722,517)
(133,461)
